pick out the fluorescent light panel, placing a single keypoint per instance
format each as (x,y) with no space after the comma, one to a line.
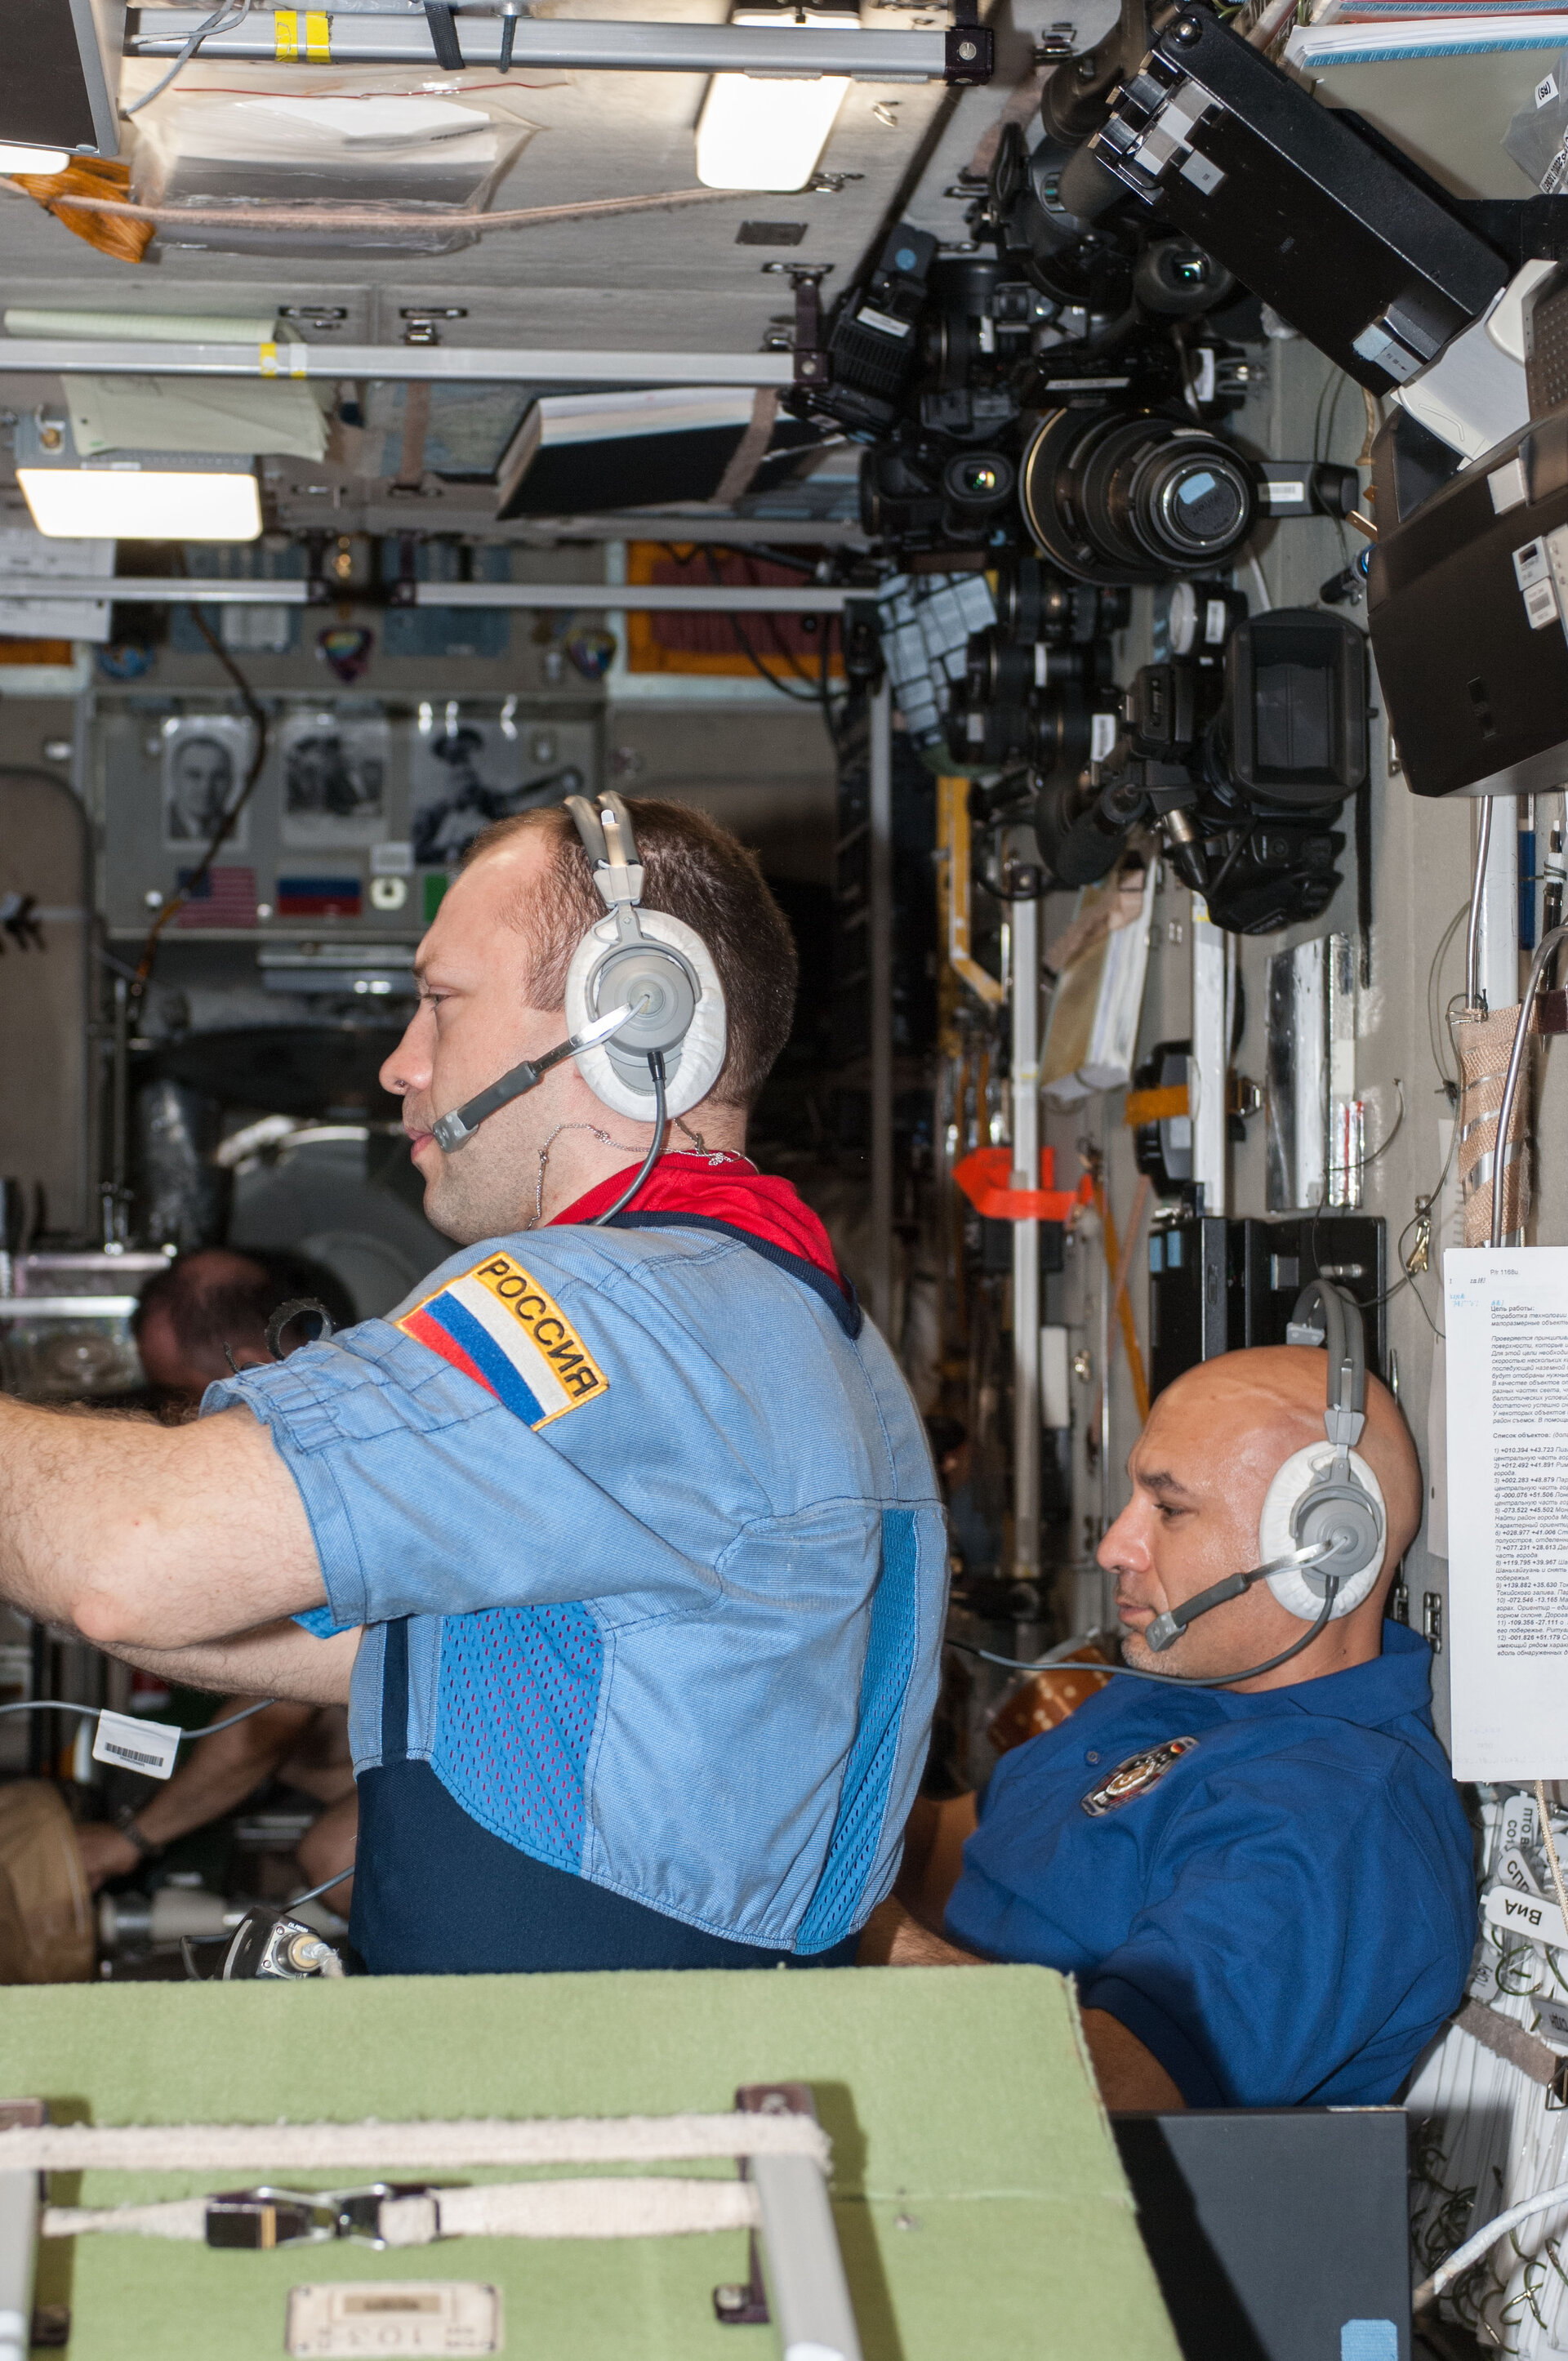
(141,504)
(762,131)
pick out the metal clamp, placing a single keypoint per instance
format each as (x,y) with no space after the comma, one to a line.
(970,49)
(256,2220)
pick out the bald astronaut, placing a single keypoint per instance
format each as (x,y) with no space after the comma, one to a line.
(1262,1886)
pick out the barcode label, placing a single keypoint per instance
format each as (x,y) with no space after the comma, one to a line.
(148,1747)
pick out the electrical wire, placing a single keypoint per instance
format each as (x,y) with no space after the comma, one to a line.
(212,24)
(92,1712)
(1473,933)
(324,1887)
(226,828)
(655,1145)
(1474,2249)
(357,217)
(1174,1680)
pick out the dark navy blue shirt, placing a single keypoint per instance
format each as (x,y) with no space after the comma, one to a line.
(1273,1892)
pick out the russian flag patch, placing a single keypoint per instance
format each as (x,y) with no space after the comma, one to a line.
(497,1324)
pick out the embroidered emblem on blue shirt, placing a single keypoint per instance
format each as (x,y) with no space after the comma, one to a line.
(1135,1776)
(498,1325)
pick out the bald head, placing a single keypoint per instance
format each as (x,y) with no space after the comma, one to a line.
(1200,1471)
(1269,1402)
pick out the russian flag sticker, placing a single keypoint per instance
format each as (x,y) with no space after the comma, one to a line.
(498,1325)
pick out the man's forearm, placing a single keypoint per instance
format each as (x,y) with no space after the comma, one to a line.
(279,1659)
(892,1938)
(146,1536)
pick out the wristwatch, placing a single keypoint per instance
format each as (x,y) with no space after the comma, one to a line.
(126,1821)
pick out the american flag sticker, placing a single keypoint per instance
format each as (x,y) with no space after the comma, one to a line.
(224,897)
(498,1325)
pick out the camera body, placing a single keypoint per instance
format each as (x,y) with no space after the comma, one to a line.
(1244,764)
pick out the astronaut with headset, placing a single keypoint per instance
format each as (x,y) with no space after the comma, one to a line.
(620,1536)
(1246,1847)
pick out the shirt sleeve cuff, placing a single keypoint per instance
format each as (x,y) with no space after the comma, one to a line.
(319,1623)
(1186,2065)
(300,1423)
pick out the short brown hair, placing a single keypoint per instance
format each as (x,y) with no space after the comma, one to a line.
(700,873)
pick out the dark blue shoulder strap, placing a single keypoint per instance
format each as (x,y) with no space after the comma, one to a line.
(840,1298)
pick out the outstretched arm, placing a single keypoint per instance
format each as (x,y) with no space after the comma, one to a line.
(278,1661)
(143,1536)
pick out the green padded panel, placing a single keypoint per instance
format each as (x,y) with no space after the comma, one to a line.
(980,2202)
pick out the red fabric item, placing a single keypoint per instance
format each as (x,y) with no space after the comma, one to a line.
(726,1188)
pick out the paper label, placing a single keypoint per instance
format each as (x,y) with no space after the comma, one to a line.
(1557,552)
(1540,605)
(1545,91)
(394,2317)
(1552,2022)
(1507,1322)
(882,321)
(1516,1822)
(148,1747)
(1214,620)
(1482,1983)
(1528,1915)
(1102,729)
(1280,494)
(1514,1870)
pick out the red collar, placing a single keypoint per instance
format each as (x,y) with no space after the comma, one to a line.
(722,1187)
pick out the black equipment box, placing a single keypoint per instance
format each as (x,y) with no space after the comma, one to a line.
(1273,186)
(1216,1285)
(1277,2234)
(1467,606)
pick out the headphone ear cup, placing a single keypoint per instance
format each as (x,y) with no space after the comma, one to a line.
(707,1038)
(1299,1475)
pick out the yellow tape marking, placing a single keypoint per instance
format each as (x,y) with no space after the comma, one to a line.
(286,34)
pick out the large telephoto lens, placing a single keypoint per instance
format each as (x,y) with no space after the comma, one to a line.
(1115,497)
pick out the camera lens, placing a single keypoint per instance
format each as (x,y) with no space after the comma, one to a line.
(1133,497)
(1199,506)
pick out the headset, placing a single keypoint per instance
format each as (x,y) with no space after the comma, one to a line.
(643,1003)
(1322,1536)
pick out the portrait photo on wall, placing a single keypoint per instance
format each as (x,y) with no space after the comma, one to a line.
(334,778)
(206,758)
(467,774)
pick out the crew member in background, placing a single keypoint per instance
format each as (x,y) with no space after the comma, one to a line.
(1264,1889)
(207,1311)
(638,1521)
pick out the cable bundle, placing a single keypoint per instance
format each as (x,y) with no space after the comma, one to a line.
(123,237)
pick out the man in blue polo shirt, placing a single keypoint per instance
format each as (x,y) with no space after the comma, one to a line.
(1264,1891)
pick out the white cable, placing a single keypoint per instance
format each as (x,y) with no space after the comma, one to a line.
(1472,2251)
(212,25)
(1555,1865)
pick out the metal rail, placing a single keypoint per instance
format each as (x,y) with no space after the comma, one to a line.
(471,364)
(607,597)
(359,37)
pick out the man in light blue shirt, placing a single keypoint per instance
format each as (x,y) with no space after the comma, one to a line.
(626,1539)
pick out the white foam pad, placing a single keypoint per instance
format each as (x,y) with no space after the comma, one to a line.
(702,1051)
(1274,1538)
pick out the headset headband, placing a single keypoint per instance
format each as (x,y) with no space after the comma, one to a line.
(1343,1334)
(610,843)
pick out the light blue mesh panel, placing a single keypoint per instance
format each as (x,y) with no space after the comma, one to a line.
(862,1804)
(519,1694)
